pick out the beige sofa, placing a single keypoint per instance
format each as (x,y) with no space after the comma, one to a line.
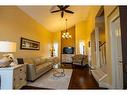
(38,66)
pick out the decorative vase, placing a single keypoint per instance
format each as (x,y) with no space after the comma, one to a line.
(4,62)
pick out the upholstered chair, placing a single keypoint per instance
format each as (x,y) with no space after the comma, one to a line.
(80,59)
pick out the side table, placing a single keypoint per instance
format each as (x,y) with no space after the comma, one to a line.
(13,77)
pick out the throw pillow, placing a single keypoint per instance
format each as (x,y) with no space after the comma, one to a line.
(37,61)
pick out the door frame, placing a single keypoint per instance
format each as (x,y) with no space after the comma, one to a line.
(112,17)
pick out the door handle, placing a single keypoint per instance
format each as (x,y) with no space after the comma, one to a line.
(120,61)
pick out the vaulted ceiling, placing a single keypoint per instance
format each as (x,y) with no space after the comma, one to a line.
(53,21)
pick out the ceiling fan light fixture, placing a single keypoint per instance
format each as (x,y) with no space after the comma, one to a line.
(63,36)
(66,34)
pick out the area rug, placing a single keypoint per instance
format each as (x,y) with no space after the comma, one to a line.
(49,81)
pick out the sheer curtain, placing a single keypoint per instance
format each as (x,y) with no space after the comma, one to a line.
(82,47)
(55,45)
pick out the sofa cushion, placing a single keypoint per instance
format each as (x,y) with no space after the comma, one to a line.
(43,60)
(37,61)
(41,68)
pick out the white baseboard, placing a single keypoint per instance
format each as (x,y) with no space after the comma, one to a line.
(105,85)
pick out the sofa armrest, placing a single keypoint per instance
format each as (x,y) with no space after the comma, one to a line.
(31,72)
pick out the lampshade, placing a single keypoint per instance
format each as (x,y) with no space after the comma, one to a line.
(6,46)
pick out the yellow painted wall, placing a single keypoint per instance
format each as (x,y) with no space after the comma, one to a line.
(91,28)
(91,19)
(15,24)
(84,29)
(57,39)
(81,34)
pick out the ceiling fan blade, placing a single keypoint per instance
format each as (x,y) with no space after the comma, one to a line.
(60,7)
(66,6)
(55,11)
(52,8)
(62,14)
(68,11)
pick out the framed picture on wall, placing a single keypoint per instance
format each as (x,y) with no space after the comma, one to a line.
(27,44)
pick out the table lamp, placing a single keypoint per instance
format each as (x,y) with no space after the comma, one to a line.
(7,47)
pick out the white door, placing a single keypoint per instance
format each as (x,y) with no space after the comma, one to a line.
(116,53)
(119,66)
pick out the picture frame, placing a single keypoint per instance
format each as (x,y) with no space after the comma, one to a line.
(27,44)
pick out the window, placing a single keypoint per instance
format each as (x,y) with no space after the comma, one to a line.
(82,47)
(56,49)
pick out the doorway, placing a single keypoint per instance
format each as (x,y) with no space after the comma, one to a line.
(116,49)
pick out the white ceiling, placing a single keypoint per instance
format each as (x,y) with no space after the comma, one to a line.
(53,21)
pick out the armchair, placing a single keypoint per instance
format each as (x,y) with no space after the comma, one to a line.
(79,59)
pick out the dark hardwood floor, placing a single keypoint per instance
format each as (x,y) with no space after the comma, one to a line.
(81,79)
